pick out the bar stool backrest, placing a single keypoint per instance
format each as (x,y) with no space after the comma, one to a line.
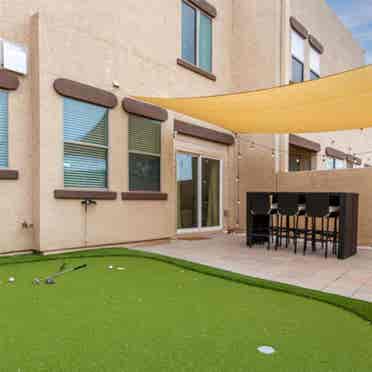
(288,203)
(317,204)
(260,203)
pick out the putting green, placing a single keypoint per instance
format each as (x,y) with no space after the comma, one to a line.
(155,316)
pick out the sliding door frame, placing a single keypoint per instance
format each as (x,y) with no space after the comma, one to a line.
(200,196)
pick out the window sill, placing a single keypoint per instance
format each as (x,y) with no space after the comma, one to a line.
(9,174)
(196,69)
(84,194)
(144,195)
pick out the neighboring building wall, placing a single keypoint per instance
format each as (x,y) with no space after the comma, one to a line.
(341,52)
(346,180)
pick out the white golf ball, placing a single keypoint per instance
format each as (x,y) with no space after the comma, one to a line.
(110,267)
(11,279)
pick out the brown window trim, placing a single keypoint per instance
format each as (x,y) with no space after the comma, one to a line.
(299,27)
(8,80)
(85,93)
(304,143)
(205,7)
(9,174)
(334,153)
(132,106)
(316,44)
(143,195)
(206,134)
(189,66)
(85,194)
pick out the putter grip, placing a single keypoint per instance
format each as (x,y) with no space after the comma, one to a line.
(80,267)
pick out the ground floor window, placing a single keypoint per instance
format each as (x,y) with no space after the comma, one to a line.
(333,163)
(3,129)
(198,192)
(85,129)
(144,145)
(300,159)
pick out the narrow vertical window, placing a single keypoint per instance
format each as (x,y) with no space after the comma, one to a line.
(3,129)
(189,33)
(314,64)
(144,145)
(196,37)
(298,57)
(85,144)
(205,42)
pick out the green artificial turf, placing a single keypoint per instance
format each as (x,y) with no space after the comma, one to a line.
(163,314)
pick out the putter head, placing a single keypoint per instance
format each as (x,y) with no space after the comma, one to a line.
(50,281)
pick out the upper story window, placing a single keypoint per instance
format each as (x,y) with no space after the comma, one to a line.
(3,129)
(144,145)
(314,64)
(196,37)
(85,144)
(298,57)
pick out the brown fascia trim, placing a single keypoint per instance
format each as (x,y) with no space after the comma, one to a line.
(206,134)
(132,106)
(144,195)
(299,27)
(189,66)
(205,7)
(85,93)
(304,143)
(9,174)
(334,153)
(85,194)
(8,80)
(316,44)
(354,159)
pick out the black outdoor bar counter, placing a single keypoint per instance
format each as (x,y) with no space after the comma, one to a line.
(317,220)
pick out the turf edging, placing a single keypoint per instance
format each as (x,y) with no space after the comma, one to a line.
(360,308)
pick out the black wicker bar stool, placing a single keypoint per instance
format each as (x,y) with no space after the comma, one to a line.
(288,209)
(321,213)
(259,208)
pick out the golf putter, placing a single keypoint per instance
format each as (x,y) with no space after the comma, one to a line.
(51,279)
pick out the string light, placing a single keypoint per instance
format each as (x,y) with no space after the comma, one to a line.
(253,145)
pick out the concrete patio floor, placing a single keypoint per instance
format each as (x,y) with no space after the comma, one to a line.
(350,278)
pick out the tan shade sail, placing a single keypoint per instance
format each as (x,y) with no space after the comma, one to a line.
(336,102)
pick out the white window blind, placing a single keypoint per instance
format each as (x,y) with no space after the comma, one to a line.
(298,46)
(314,61)
(3,129)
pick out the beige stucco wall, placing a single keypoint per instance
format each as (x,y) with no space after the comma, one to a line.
(98,43)
(345,180)
(134,43)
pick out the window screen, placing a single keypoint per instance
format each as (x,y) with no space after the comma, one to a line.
(85,144)
(297,70)
(3,129)
(205,43)
(188,33)
(144,154)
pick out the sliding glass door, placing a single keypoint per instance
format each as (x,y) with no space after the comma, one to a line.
(198,193)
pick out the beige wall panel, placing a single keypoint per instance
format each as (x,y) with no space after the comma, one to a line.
(256,168)
(256,44)
(348,180)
